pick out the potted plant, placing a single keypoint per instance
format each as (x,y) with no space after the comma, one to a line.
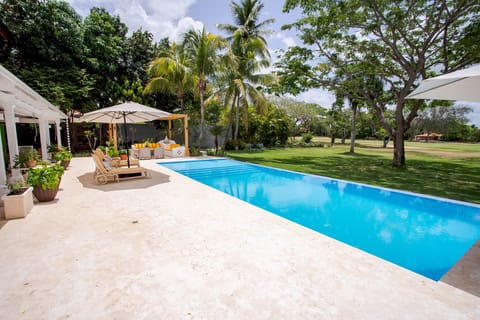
(123,154)
(113,153)
(64,156)
(52,149)
(26,159)
(19,201)
(45,181)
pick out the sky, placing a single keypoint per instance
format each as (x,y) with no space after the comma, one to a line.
(171,18)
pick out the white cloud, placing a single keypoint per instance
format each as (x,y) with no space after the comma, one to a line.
(186,24)
(163,18)
(288,41)
(318,96)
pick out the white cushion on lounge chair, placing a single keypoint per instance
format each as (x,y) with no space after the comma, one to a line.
(107,165)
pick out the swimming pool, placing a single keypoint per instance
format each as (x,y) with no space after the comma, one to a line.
(424,234)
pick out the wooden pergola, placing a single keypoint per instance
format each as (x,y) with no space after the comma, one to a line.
(112,129)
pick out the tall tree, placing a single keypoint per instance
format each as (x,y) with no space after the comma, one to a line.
(203,50)
(249,46)
(105,42)
(137,53)
(305,116)
(171,74)
(45,50)
(401,42)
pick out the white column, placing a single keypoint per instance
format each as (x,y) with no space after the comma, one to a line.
(59,134)
(44,136)
(3,173)
(11,129)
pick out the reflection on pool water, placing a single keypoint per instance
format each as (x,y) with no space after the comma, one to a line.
(424,234)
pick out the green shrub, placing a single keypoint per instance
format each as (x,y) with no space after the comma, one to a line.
(20,160)
(301,144)
(194,151)
(112,152)
(46,176)
(63,155)
(53,148)
(234,145)
(307,137)
(16,186)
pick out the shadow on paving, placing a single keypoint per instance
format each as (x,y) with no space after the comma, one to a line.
(153,178)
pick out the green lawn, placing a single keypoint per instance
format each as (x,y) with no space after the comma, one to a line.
(450,170)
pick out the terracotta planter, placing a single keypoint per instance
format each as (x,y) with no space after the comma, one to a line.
(44,195)
(123,157)
(18,205)
(31,163)
(65,163)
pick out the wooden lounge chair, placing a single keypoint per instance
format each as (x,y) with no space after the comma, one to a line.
(117,162)
(103,174)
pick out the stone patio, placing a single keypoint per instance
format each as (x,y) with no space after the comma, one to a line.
(167,247)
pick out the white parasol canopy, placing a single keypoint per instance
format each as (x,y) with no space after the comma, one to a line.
(463,85)
(128,112)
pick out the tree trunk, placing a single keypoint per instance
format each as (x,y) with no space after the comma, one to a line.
(398,140)
(398,149)
(229,125)
(353,133)
(180,99)
(386,140)
(237,118)
(202,112)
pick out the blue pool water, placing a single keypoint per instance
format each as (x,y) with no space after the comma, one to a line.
(424,234)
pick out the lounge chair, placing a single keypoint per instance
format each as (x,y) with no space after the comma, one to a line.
(117,162)
(103,173)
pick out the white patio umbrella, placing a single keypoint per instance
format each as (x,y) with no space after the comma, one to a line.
(128,112)
(463,85)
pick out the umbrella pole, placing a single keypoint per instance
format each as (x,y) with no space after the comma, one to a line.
(125,138)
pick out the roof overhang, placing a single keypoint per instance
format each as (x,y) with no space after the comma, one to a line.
(28,103)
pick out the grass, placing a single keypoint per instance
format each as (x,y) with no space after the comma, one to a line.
(449,170)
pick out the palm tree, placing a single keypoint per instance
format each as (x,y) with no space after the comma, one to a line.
(202,50)
(238,90)
(247,27)
(216,130)
(170,74)
(250,48)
